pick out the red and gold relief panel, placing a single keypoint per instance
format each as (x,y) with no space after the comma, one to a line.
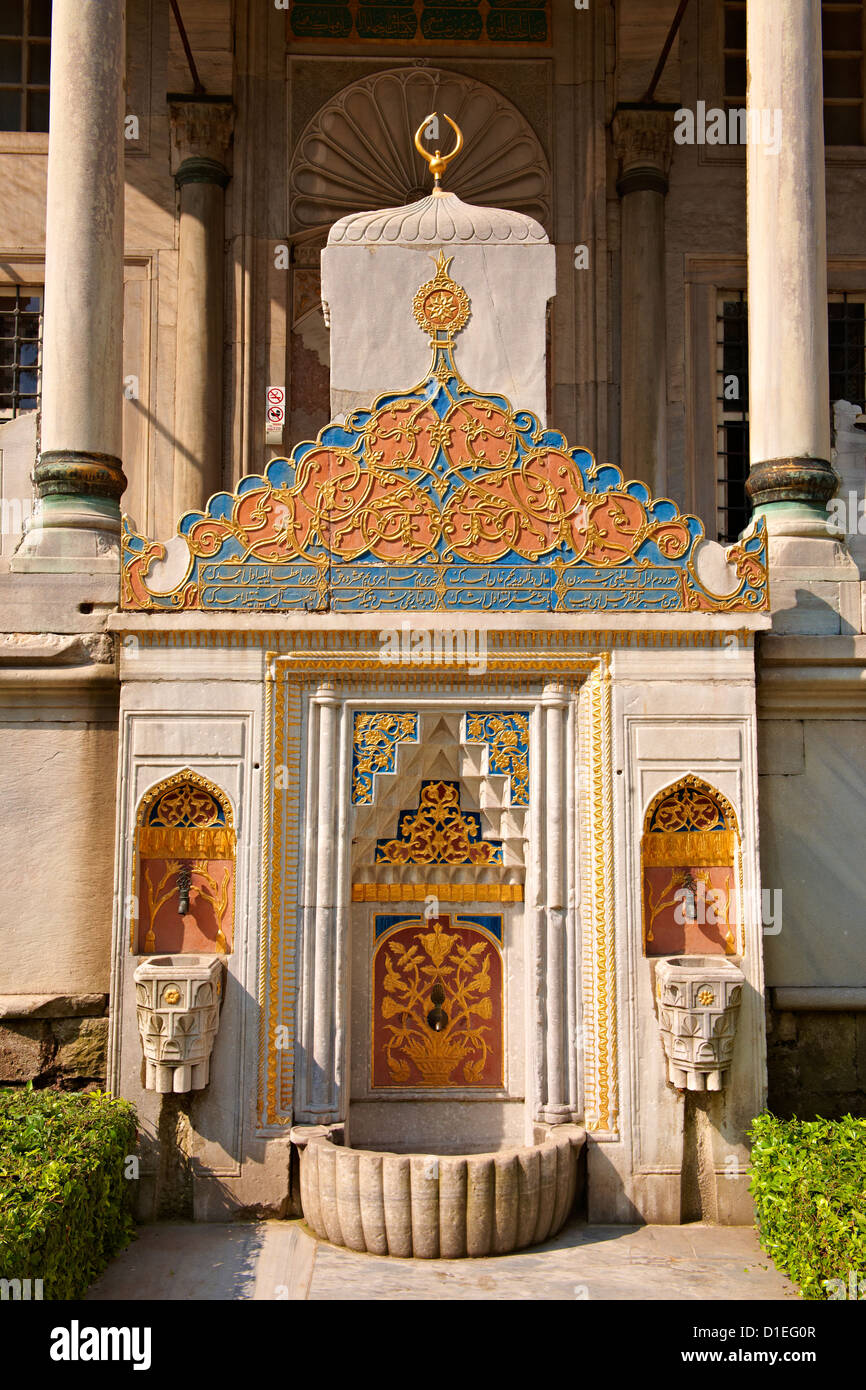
(690,856)
(208,922)
(437,1007)
(185,868)
(689,910)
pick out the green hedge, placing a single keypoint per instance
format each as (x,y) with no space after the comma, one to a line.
(65,1204)
(809,1186)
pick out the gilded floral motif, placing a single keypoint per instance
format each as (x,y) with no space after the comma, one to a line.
(457,496)
(439,832)
(507,738)
(437,1017)
(374,747)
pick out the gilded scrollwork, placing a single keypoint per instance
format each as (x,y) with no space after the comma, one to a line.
(439,832)
(374,747)
(455,499)
(507,739)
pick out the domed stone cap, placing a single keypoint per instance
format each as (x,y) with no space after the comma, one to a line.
(439,219)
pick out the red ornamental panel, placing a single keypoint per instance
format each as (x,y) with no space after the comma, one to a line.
(208,922)
(437,1007)
(690,909)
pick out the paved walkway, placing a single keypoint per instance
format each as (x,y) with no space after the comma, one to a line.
(283,1260)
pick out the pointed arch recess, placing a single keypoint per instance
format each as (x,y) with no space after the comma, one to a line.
(691,872)
(184,825)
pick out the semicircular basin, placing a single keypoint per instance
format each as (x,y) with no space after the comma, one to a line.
(434,1206)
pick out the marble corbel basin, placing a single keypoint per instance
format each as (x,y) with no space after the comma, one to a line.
(698,1007)
(177,1002)
(433,1206)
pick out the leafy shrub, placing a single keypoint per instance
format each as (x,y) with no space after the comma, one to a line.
(809,1186)
(65,1204)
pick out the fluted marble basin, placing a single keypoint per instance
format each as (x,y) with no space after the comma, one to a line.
(177,1003)
(698,1005)
(434,1206)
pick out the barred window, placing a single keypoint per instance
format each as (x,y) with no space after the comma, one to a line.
(25,61)
(20,349)
(846,321)
(732,395)
(844,43)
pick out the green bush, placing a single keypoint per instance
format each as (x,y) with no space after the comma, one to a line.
(809,1186)
(65,1204)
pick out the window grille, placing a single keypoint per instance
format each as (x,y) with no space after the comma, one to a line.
(25,61)
(844,45)
(20,349)
(846,321)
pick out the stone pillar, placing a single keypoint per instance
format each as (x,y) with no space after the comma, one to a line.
(79,476)
(643,141)
(322,1099)
(201,134)
(791,479)
(556,1109)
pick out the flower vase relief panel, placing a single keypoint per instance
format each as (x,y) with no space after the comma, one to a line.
(437,1003)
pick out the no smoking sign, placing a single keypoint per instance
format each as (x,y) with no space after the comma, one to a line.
(276,411)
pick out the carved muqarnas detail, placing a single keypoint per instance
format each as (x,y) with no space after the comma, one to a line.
(177,1006)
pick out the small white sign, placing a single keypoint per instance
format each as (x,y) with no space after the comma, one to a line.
(276,413)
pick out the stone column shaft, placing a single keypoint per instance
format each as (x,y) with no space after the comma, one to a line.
(322,1099)
(79,475)
(201,131)
(556,1109)
(791,479)
(643,143)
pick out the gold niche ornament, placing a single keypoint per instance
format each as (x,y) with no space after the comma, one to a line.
(441,305)
(438,162)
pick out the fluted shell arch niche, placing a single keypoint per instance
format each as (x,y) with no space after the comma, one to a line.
(357,152)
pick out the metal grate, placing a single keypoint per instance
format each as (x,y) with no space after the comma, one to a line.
(25,61)
(20,349)
(733,508)
(847,334)
(846,321)
(844,44)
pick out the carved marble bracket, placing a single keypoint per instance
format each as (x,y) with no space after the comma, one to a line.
(177,999)
(698,1006)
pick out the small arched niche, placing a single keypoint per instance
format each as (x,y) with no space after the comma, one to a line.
(691,873)
(184,871)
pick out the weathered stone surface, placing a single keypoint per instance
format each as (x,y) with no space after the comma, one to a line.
(816,1064)
(23,1050)
(52,1005)
(82,1044)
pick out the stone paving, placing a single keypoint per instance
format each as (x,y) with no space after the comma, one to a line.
(283,1260)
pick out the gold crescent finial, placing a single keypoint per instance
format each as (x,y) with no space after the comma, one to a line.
(438,162)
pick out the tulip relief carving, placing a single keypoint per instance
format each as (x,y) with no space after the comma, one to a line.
(437,1007)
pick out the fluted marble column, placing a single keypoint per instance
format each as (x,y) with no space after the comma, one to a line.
(201,134)
(556,1108)
(643,141)
(791,479)
(322,1101)
(79,476)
